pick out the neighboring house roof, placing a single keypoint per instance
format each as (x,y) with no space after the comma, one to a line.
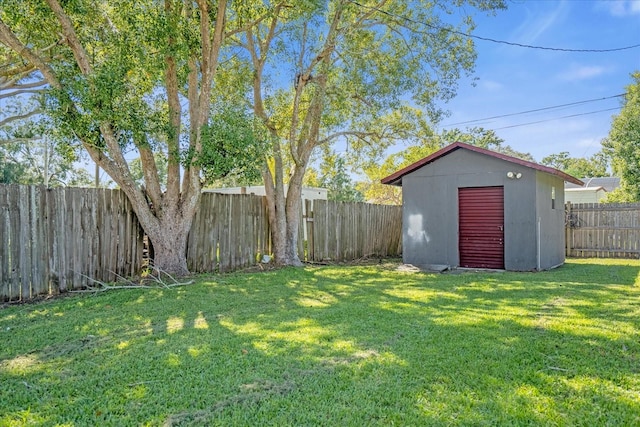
(259,190)
(584,189)
(396,178)
(609,183)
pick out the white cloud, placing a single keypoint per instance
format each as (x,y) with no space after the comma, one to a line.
(589,142)
(583,72)
(620,8)
(537,24)
(491,85)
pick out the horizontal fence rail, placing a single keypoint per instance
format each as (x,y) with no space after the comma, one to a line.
(604,230)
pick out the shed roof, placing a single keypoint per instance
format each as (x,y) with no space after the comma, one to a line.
(396,178)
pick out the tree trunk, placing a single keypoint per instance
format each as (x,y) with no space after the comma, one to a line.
(167,227)
(276,202)
(168,235)
(277,219)
(170,250)
(284,218)
(278,238)
(292,212)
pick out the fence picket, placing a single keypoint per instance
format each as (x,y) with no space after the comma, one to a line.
(5,290)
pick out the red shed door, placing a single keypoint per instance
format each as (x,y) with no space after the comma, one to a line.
(481,227)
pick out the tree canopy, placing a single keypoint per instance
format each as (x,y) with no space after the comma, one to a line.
(124,78)
(580,167)
(333,174)
(623,145)
(32,150)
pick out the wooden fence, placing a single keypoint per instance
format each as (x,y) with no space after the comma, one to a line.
(229,231)
(604,230)
(55,240)
(339,231)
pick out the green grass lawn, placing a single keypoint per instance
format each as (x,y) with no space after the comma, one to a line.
(337,345)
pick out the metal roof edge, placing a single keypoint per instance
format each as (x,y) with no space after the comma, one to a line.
(396,177)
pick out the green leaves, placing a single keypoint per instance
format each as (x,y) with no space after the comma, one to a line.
(334,176)
(579,167)
(623,144)
(233,143)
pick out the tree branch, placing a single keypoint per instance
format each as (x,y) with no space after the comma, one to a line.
(10,119)
(150,172)
(8,38)
(360,135)
(258,59)
(366,15)
(175,109)
(19,92)
(17,140)
(299,85)
(79,53)
(21,86)
(23,69)
(307,138)
(252,24)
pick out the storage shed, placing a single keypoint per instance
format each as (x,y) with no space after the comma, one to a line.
(465,206)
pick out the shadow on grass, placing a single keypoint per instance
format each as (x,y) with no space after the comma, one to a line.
(335,346)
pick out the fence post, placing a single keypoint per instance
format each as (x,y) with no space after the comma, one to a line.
(308,208)
(567,228)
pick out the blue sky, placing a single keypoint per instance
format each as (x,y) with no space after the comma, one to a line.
(512,79)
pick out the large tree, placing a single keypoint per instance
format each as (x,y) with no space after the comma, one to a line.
(128,77)
(623,145)
(348,70)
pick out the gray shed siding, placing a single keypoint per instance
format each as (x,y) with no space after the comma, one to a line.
(430,210)
(552,233)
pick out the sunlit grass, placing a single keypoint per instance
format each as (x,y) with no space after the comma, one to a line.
(338,345)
